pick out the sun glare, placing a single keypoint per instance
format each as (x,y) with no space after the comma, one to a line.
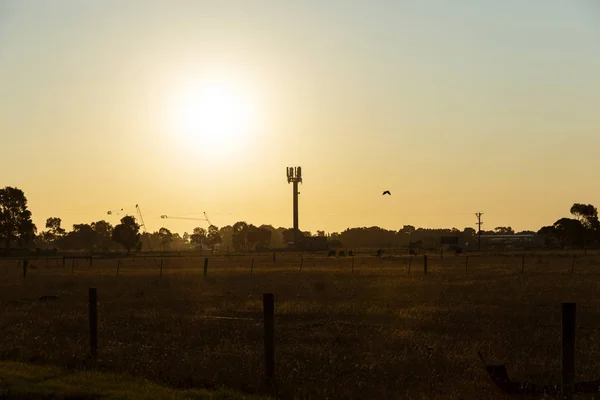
(216,117)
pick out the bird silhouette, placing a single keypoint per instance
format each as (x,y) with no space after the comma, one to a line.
(387,192)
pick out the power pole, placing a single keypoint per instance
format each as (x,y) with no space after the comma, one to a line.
(479,223)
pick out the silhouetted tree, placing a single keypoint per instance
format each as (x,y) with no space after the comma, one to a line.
(82,237)
(166,237)
(469,232)
(569,232)
(504,230)
(16,225)
(53,234)
(103,238)
(407,230)
(240,236)
(198,237)
(258,238)
(213,237)
(587,214)
(550,235)
(127,234)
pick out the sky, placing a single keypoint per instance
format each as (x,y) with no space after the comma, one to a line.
(185,107)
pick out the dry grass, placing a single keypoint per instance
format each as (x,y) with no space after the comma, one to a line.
(375,333)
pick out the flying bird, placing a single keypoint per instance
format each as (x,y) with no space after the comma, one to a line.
(386,192)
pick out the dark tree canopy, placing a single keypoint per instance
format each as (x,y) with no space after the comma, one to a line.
(127,234)
(82,237)
(213,237)
(16,226)
(504,230)
(198,236)
(103,237)
(587,214)
(166,237)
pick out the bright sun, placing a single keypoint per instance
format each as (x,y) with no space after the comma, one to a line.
(216,117)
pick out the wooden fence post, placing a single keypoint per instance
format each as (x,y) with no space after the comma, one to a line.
(523,264)
(467,265)
(573,264)
(91,262)
(161,266)
(409,264)
(269,327)
(301,263)
(568,350)
(93,300)
(25,264)
(205,268)
(64,261)
(273,257)
(352,264)
(425,264)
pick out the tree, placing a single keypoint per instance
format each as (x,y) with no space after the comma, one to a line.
(213,237)
(16,225)
(240,236)
(407,230)
(53,226)
(53,234)
(587,214)
(166,237)
(569,231)
(289,235)
(469,232)
(81,237)
(127,233)
(198,237)
(258,238)
(504,230)
(103,231)
(550,235)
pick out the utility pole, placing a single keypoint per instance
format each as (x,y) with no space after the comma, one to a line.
(479,223)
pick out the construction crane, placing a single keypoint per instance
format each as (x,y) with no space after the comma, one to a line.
(138,211)
(188,218)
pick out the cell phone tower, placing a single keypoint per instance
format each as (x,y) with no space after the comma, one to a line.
(294,176)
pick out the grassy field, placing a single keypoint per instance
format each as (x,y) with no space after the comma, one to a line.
(375,333)
(32,382)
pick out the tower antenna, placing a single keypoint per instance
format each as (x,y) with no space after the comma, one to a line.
(294,176)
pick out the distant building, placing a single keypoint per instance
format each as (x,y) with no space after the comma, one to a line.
(518,241)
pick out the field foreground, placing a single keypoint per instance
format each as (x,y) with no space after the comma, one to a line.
(375,332)
(29,382)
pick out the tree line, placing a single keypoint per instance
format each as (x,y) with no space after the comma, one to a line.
(18,231)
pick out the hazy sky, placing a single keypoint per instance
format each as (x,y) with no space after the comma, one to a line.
(454,106)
